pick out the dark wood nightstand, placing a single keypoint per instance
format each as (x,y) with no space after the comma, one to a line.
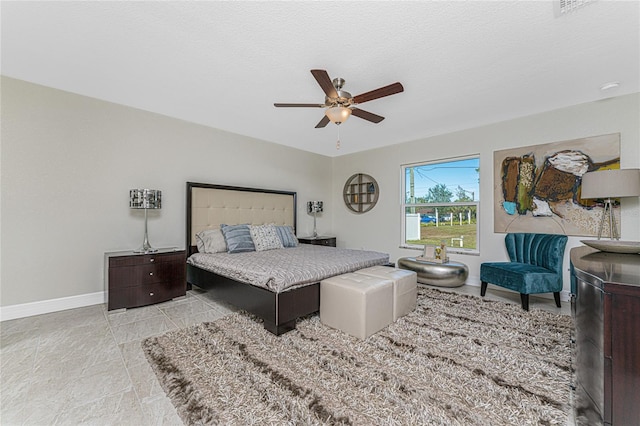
(318,241)
(139,279)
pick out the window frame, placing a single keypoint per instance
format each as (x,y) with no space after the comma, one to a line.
(404,205)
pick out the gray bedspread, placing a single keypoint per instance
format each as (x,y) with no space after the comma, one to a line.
(283,269)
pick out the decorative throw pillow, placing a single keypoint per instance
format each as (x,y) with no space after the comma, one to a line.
(238,238)
(211,241)
(287,236)
(265,237)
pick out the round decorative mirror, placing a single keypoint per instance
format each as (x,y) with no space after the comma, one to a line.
(361,193)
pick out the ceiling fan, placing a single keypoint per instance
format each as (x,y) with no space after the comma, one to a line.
(339,104)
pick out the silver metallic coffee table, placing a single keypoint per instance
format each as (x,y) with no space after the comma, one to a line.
(450,274)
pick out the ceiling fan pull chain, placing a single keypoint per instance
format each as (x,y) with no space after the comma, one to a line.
(338,142)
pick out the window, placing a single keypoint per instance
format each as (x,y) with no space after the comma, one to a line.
(441,204)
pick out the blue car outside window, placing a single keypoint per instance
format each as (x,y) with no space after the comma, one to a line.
(427,219)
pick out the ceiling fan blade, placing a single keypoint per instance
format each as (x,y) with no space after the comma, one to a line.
(299,105)
(366,115)
(391,89)
(322,123)
(324,81)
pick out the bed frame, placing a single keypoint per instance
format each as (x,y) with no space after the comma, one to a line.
(209,206)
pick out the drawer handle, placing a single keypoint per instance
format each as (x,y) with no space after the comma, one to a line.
(151,273)
(150,294)
(151,260)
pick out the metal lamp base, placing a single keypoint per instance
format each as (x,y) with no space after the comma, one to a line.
(607,213)
(315,232)
(146,247)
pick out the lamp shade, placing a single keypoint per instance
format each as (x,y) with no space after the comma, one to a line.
(338,114)
(145,199)
(314,207)
(611,184)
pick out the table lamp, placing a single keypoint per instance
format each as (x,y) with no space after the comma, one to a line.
(608,184)
(314,207)
(145,199)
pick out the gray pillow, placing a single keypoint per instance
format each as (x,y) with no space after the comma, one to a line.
(238,238)
(211,241)
(287,236)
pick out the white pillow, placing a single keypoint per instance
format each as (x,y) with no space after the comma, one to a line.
(265,237)
(211,241)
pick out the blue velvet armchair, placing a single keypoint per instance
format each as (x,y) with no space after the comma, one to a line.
(535,266)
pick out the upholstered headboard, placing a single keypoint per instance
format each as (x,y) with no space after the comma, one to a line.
(209,206)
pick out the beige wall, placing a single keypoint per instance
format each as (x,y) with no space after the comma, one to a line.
(69,161)
(379,229)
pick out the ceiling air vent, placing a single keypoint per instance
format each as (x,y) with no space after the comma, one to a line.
(562,7)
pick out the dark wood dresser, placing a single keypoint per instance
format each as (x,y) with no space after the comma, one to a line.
(319,241)
(139,279)
(605,304)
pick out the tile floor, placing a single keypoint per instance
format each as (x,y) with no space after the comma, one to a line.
(86,366)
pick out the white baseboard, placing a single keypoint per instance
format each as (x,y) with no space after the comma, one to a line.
(52,305)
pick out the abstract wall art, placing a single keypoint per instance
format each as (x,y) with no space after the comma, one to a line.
(537,188)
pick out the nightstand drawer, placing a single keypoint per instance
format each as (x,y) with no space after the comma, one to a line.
(331,242)
(143,295)
(145,259)
(129,276)
(318,241)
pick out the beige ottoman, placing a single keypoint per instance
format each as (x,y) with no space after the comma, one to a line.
(359,305)
(405,287)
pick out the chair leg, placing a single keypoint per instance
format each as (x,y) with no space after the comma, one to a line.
(556,296)
(524,298)
(483,288)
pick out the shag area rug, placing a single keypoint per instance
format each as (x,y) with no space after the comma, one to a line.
(455,360)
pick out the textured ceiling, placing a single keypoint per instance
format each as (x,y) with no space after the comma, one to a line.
(224,64)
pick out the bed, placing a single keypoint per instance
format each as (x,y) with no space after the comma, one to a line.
(277,290)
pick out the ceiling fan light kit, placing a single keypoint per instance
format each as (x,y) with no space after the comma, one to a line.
(339,104)
(338,114)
